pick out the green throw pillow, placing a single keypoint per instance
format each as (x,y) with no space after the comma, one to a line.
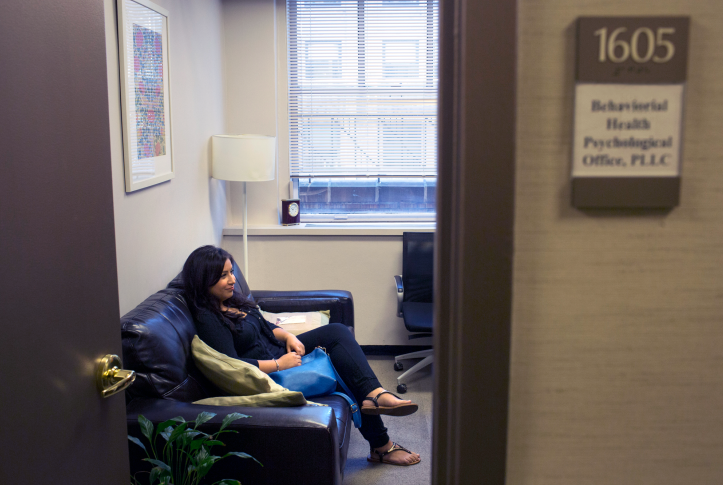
(240,379)
(279,399)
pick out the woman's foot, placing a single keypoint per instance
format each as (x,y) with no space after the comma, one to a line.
(393,454)
(380,401)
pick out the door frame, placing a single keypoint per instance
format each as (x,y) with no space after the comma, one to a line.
(474,245)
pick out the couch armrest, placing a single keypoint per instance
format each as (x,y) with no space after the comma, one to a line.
(294,444)
(339,302)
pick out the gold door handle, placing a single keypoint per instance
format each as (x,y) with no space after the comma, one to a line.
(110,378)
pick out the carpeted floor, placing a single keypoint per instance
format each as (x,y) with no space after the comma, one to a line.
(413,432)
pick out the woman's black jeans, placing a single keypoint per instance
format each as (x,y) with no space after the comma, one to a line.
(352,366)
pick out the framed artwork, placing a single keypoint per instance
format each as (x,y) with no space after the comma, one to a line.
(145,93)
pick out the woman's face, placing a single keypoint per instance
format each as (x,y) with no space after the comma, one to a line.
(223,289)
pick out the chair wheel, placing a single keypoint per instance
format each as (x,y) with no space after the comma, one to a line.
(398,366)
(402,388)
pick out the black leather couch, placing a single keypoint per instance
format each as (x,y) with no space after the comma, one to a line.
(299,445)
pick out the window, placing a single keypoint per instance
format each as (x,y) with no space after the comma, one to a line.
(363,108)
(323,59)
(400,58)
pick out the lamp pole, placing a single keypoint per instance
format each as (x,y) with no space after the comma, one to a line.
(246,238)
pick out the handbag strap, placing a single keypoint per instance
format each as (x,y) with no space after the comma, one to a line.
(355,414)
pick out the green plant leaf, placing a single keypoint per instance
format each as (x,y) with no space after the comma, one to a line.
(197,444)
(203,461)
(138,442)
(242,455)
(185,438)
(146,427)
(180,429)
(205,466)
(158,473)
(188,448)
(231,418)
(158,463)
(211,443)
(203,417)
(164,425)
(197,457)
(166,433)
(201,455)
(200,435)
(190,436)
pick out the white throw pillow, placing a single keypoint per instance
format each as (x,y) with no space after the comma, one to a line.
(298,322)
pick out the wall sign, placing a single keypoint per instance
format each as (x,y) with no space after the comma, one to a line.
(627,142)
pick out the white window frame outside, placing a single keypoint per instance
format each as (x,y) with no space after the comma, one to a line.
(424,217)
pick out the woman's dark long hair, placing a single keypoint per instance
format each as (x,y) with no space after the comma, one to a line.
(201,271)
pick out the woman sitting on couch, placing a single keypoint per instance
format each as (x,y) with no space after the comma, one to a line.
(231,324)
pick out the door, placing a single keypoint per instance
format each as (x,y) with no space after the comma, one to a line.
(58,285)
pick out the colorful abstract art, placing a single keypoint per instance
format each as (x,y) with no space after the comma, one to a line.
(148,82)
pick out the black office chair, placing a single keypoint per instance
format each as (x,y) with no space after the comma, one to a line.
(414,297)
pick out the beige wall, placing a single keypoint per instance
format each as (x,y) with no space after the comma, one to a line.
(250,59)
(157,227)
(364,265)
(617,345)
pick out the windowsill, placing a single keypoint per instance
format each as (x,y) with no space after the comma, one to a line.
(333,229)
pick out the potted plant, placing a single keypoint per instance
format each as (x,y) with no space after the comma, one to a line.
(183,455)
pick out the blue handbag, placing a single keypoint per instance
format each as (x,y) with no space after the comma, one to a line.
(316,376)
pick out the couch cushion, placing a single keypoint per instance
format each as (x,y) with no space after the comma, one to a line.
(157,337)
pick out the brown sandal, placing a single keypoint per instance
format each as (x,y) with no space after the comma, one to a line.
(381,455)
(398,410)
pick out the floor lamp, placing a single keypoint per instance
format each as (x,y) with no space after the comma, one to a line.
(243,158)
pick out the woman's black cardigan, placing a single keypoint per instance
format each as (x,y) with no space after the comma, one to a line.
(251,340)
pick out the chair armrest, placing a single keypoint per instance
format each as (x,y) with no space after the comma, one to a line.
(339,302)
(293,443)
(400,294)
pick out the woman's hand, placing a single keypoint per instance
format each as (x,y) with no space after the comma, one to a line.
(293,344)
(287,361)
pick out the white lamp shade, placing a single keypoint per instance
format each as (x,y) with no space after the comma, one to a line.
(243,158)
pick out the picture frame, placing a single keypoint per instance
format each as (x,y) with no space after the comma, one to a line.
(143,45)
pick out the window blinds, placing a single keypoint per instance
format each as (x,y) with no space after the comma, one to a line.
(363,87)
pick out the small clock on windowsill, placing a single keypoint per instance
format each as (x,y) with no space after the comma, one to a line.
(290,212)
